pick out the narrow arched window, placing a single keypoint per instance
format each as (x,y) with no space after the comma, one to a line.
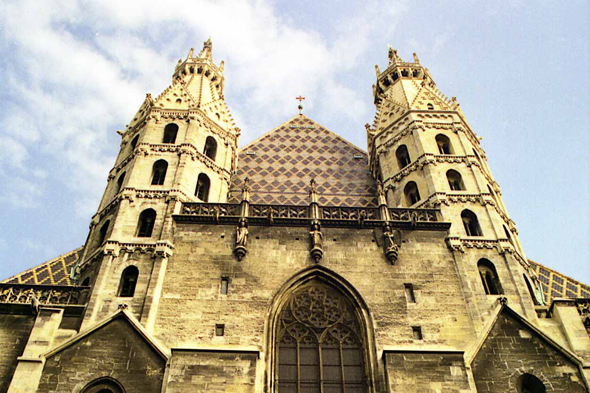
(430,106)
(128,281)
(103,231)
(470,223)
(403,157)
(528,383)
(134,142)
(202,190)
(320,346)
(120,181)
(489,277)
(455,180)
(159,172)
(531,290)
(210,148)
(507,233)
(412,193)
(444,144)
(103,385)
(145,226)
(170,132)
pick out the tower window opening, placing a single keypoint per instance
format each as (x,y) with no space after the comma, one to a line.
(210,149)
(403,157)
(489,277)
(470,223)
(415,73)
(159,172)
(528,383)
(395,76)
(128,281)
(86,282)
(224,285)
(412,193)
(417,332)
(191,70)
(145,226)
(134,142)
(219,329)
(103,385)
(103,231)
(455,180)
(430,106)
(202,190)
(322,350)
(444,143)
(170,132)
(404,73)
(410,297)
(120,181)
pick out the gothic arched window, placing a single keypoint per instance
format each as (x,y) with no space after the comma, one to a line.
(403,157)
(134,142)
(444,144)
(128,282)
(120,181)
(104,385)
(471,223)
(489,277)
(455,180)
(210,148)
(202,190)
(170,132)
(145,226)
(412,193)
(528,383)
(159,172)
(103,231)
(320,344)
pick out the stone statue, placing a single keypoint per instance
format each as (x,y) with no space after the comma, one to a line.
(242,233)
(316,238)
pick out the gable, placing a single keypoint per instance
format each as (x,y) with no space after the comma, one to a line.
(115,349)
(509,345)
(281,164)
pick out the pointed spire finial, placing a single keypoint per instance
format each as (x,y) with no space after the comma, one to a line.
(393,57)
(190,53)
(207,51)
(416,59)
(300,106)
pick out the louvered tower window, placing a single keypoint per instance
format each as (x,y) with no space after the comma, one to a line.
(159,172)
(320,345)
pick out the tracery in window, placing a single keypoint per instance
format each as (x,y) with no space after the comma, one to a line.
(159,172)
(455,180)
(320,345)
(489,277)
(471,223)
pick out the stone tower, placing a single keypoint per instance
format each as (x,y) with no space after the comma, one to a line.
(426,155)
(180,147)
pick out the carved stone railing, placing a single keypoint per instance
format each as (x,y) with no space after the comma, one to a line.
(300,215)
(350,213)
(415,215)
(211,209)
(45,294)
(279,211)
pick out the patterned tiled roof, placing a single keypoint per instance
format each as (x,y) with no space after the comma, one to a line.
(281,163)
(53,272)
(557,285)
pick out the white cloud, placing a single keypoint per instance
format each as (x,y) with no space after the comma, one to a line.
(78,71)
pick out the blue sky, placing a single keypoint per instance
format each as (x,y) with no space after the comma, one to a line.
(72,73)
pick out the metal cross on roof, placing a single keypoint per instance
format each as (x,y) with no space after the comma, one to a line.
(300,105)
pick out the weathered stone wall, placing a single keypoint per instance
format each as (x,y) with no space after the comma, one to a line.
(14,333)
(116,350)
(212,371)
(512,349)
(191,304)
(426,372)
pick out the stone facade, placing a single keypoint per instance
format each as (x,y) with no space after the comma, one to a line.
(299,263)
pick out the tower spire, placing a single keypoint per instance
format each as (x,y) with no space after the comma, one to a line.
(207,52)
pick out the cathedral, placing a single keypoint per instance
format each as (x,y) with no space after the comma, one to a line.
(298,263)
